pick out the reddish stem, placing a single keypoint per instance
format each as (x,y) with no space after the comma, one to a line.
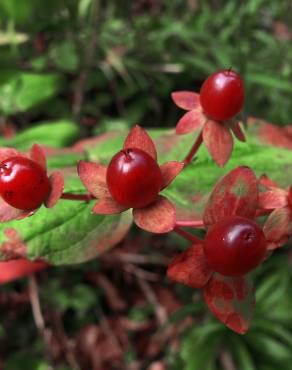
(192,238)
(263,212)
(84,197)
(194,149)
(195,224)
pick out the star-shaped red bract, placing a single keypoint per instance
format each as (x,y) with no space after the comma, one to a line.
(56,183)
(16,269)
(158,216)
(230,298)
(278,226)
(216,135)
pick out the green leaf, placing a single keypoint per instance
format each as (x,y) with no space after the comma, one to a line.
(65,56)
(68,233)
(56,134)
(23,90)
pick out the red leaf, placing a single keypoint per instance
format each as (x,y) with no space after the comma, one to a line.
(138,138)
(13,247)
(169,172)
(37,154)
(108,206)
(238,132)
(278,227)
(158,217)
(231,300)
(57,188)
(16,269)
(6,153)
(190,121)
(234,194)
(218,141)
(276,198)
(93,177)
(186,100)
(190,267)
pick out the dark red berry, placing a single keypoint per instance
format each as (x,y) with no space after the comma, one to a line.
(234,246)
(24,184)
(222,95)
(134,178)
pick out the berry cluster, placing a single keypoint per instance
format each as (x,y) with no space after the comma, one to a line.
(234,244)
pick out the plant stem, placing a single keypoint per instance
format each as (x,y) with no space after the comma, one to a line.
(188,236)
(195,224)
(84,197)
(194,149)
(263,212)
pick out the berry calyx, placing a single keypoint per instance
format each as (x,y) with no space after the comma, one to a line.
(134,178)
(24,184)
(235,246)
(222,95)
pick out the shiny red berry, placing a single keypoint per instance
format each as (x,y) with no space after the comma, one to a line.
(234,246)
(24,184)
(133,178)
(222,95)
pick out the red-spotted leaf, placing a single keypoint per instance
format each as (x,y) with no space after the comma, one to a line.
(93,177)
(108,206)
(231,300)
(278,227)
(234,194)
(190,121)
(186,100)
(57,188)
(16,269)
(7,153)
(138,138)
(190,267)
(37,154)
(275,198)
(169,171)
(158,217)
(238,132)
(218,141)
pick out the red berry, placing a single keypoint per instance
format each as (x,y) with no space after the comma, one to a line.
(134,178)
(24,184)
(234,246)
(222,95)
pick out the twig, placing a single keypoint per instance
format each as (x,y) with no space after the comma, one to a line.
(140,273)
(160,311)
(44,332)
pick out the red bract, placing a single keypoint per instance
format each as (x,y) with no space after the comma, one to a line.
(278,226)
(230,298)
(133,180)
(216,132)
(16,269)
(24,183)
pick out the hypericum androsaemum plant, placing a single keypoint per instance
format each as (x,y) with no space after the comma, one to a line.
(235,243)
(213,111)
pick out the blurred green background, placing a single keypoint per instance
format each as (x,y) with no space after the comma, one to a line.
(109,64)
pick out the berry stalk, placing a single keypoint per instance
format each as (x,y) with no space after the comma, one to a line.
(194,224)
(82,197)
(194,149)
(188,236)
